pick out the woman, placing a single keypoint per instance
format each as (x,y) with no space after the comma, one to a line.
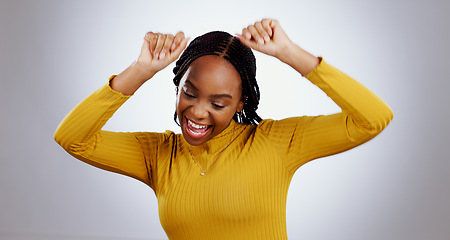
(227,175)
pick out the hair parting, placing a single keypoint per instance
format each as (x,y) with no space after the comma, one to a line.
(224,45)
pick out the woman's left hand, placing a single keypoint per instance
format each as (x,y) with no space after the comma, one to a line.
(266,36)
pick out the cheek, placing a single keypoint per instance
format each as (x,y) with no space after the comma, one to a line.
(224,118)
(182,106)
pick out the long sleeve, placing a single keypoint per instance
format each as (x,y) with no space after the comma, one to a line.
(81,136)
(363,116)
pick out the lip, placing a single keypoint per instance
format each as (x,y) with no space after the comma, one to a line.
(192,129)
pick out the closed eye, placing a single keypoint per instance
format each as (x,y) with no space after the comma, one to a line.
(188,95)
(217,106)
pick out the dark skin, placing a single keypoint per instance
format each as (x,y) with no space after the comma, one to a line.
(212,78)
(209,95)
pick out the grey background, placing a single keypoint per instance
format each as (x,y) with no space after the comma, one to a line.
(55,53)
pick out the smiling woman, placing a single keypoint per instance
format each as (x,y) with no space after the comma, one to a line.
(211,93)
(227,175)
(239,58)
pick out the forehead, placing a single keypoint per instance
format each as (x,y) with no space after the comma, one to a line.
(214,71)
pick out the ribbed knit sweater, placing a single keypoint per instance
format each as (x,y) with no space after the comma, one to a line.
(243,195)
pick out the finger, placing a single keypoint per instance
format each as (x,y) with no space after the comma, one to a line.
(177,51)
(152,39)
(246,33)
(247,41)
(262,31)
(179,37)
(273,24)
(167,45)
(266,25)
(148,39)
(145,49)
(255,34)
(159,45)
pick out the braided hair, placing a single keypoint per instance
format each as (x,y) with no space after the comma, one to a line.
(224,45)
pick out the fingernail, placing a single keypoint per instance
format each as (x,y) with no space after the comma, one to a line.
(163,54)
(261,41)
(156,55)
(266,38)
(173,46)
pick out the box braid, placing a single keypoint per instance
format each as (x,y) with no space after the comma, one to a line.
(224,45)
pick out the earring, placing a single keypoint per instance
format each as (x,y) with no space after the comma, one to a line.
(239,116)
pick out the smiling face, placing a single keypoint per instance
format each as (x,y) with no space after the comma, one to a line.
(209,94)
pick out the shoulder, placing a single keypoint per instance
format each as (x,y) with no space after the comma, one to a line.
(292,123)
(155,137)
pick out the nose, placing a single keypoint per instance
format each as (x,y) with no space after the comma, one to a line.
(199,111)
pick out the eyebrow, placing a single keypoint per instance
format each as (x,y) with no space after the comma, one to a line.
(214,95)
(192,85)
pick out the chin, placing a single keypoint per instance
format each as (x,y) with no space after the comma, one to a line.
(194,141)
(192,137)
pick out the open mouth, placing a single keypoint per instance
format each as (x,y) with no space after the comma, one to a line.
(196,130)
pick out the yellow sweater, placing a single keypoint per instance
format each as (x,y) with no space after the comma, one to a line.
(243,195)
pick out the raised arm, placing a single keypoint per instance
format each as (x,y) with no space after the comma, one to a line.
(268,37)
(157,52)
(80,132)
(363,115)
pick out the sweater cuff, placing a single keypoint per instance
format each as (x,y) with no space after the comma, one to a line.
(112,91)
(106,95)
(317,69)
(324,76)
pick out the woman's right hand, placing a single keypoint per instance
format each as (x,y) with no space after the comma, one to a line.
(159,50)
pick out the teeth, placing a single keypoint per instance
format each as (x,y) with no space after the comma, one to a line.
(196,126)
(195,133)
